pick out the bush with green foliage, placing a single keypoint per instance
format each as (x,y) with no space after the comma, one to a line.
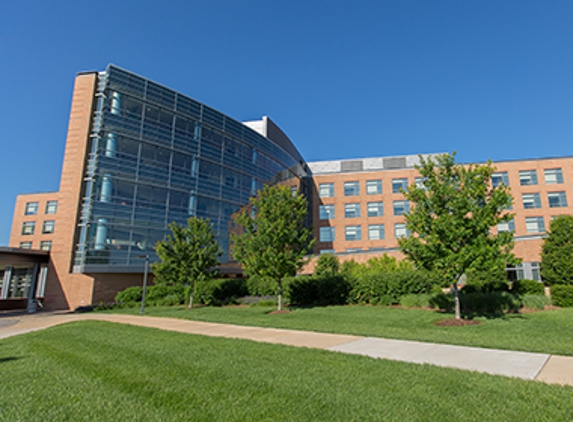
(535,301)
(562,295)
(261,286)
(220,291)
(527,287)
(442,301)
(415,301)
(318,290)
(327,265)
(489,303)
(557,250)
(157,293)
(129,295)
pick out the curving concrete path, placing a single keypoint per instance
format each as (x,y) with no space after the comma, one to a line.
(530,366)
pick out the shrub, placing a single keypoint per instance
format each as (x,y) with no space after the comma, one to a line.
(157,293)
(327,265)
(320,290)
(415,301)
(265,303)
(527,287)
(557,249)
(441,300)
(261,286)
(535,301)
(489,303)
(129,295)
(170,300)
(220,291)
(562,295)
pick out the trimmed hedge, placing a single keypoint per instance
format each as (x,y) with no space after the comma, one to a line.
(535,301)
(261,286)
(131,294)
(318,290)
(220,291)
(527,287)
(489,303)
(562,295)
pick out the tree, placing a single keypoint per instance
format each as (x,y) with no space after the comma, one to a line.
(557,252)
(189,254)
(274,238)
(454,209)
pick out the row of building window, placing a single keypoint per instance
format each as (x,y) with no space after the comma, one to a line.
(28,227)
(351,233)
(45,245)
(353,210)
(373,187)
(555,200)
(32,208)
(529,177)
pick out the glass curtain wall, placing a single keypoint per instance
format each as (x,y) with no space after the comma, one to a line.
(156,157)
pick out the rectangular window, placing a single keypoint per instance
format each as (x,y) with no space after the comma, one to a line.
(48,227)
(535,271)
(31,208)
(553,176)
(399,185)
(326,212)
(351,210)
(527,177)
(373,187)
(508,226)
(557,199)
(499,178)
(400,230)
(401,207)
(326,234)
(326,190)
(531,200)
(28,227)
(534,225)
(419,182)
(376,232)
(351,188)
(26,245)
(51,207)
(353,233)
(375,209)
(45,245)
(323,251)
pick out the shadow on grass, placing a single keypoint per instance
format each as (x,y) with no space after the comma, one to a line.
(10,359)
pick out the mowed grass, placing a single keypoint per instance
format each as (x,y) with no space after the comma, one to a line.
(543,332)
(102,371)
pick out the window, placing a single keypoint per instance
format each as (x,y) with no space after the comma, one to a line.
(31,208)
(401,207)
(353,250)
(353,233)
(527,177)
(48,227)
(351,188)
(326,190)
(400,230)
(28,227)
(51,207)
(531,200)
(351,210)
(508,226)
(376,232)
(375,209)
(45,245)
(323,251)
(535,271)
(534,225)
(553,176)
(373,187)
(326,212)
(399,184)
(419,182)
(499,178)
(26,245)
(326,234)
(557,199)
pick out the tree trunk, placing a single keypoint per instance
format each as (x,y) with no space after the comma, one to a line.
(280,298)
(457,298)
(191,298)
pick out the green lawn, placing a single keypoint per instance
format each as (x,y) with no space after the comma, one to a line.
(101,371)
(543,332)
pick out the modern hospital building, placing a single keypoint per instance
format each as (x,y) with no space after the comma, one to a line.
(139,156)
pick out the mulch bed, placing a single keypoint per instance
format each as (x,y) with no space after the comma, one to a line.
(452,322)
(284,311)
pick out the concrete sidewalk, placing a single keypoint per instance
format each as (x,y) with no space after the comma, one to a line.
(530,366)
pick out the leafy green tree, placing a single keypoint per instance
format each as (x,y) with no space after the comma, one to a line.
(557,252)
(274,238)
(327,265)
(454,210)
(189,254)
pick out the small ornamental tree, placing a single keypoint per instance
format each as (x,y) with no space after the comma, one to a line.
(274,239)
(189,254)
(454,209)
(557,252)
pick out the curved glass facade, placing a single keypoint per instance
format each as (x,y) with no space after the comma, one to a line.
(157,156)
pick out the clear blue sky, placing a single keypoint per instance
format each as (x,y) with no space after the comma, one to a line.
(344,79)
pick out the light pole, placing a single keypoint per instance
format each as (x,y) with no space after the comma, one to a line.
(145,272)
